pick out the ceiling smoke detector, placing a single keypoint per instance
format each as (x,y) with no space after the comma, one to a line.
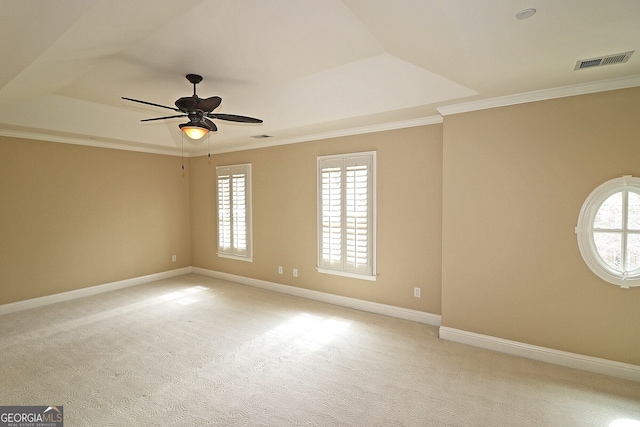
(616,58)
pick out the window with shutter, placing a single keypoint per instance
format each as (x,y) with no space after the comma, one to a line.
(346,227)
(234,211)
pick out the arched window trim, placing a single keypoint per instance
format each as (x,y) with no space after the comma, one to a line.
(584,231)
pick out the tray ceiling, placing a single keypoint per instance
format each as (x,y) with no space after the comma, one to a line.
(307,69)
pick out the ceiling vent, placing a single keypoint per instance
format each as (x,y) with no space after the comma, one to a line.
(603,60)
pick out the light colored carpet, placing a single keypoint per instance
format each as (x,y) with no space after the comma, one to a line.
(194,351)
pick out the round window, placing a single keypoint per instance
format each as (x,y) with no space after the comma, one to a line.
(608,231)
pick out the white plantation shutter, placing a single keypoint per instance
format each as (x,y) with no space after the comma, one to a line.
(238,185)
(234,211)
(357,214)
(224,212)
(331,215)
(346,214)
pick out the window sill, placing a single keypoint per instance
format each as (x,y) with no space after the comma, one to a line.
(236,257)
(347,274)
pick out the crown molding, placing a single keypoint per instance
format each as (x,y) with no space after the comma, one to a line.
(89,142)
(117,145)
(540,95)
(521,98)
(381,127)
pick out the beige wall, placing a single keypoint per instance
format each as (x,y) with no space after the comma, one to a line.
(514,181)
(409,185)
(479,212)
(73,217)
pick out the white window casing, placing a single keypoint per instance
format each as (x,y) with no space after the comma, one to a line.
(346,215)
(608,231)
(234,212)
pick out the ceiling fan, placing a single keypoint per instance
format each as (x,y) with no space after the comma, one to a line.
(198,110)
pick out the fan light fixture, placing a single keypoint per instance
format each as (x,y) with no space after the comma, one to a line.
(199,111)
(193,130)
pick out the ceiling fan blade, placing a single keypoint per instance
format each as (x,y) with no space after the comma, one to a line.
(234,118)
(211,124)
(209,104)
(150,103)
(162,118)
(187,103)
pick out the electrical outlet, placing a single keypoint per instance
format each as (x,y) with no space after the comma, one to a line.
(280,270)
(295,272)
(173,258)
(416,292)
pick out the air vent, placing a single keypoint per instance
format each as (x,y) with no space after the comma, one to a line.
(603,60)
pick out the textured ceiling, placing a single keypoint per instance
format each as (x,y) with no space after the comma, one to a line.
(306,68)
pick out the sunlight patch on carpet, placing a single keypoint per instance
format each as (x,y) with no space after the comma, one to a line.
(308,331)
(185,296)
(625,422)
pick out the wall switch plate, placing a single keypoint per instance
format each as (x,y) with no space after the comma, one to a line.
(295,272)
(416,292)
(173,258)
(280,270)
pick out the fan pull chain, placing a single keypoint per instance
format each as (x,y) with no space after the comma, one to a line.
(182,155)
(208,145)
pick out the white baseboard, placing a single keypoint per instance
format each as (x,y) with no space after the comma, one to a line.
(543,354)
(372,307)
(93,290)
